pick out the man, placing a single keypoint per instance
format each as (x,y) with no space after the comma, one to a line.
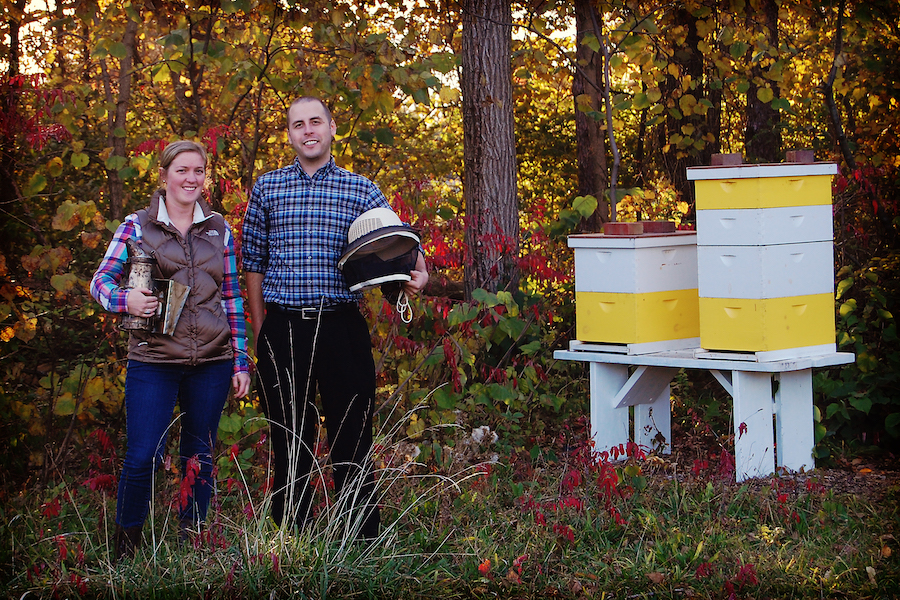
(306,323)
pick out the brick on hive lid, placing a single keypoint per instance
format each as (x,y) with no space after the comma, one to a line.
(800,156)
(658,226)
(727,160)
(619,228)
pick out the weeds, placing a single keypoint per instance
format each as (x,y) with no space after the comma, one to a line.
(582,525)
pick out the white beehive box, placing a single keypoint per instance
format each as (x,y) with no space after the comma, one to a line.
(637,291)
(765,258)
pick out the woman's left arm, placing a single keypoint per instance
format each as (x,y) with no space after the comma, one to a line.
(234,310)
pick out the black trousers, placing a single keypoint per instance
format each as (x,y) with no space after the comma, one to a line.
(334,354)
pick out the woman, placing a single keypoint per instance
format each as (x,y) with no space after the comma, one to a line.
(195,365)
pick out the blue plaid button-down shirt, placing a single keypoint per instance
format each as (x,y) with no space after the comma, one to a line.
(295,231)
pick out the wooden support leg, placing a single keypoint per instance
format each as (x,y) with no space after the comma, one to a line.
(754,436)
(653,423)
(609,425)
(794,426)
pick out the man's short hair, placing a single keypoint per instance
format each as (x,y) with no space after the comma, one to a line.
(308,99)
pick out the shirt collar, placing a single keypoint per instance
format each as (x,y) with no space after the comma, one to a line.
(162,214)
(323,171)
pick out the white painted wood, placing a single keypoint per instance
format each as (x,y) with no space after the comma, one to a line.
(642,348)
(609,425)
(648,240)
(754,439)
(765,226)
(644,386)
(653,423)
(795,427)
(646,269)
(687,359)
(757,272)
(724,379)
(748,382)
(789,353)
(751,171)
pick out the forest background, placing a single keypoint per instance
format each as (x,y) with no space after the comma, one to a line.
(595,113)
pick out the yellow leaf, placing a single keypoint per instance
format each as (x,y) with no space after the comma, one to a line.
(65,405)
(26,329)
(765,94)
(55,166)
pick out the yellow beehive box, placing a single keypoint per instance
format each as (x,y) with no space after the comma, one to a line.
(762,186)
(637,290)
(612,318)
(768,324)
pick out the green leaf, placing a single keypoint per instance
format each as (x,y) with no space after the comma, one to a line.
(55,166)
(862,404)
(531,347)
(462,313)
(128,173)
(513,327)
(444,62)
(843,286)
(230,423)
(485,297)
(641,101)
(892,424)
(64,283)
(79,160)
(585,205)
(36,184)
(114,163)
(848,307)
(738,49)
(590,40)
(501,393)
(445,399)
(119,50)
(384,136)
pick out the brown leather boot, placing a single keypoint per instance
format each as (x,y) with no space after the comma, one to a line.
(126,541)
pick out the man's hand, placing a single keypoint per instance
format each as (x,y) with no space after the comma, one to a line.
(419,277)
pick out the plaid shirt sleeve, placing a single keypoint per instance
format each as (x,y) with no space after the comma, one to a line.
(105,286)
(233,303)
(254,253)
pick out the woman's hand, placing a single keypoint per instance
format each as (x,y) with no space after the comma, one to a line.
(241,384)
(142,303)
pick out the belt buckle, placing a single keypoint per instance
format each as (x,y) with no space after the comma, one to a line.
(309,313)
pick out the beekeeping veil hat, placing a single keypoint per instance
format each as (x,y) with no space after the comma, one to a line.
(380,249)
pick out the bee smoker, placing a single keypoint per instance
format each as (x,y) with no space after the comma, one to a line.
(171,294)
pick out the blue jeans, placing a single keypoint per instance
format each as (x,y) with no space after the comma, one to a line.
(151,392)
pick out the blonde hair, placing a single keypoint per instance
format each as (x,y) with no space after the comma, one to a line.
(175,148)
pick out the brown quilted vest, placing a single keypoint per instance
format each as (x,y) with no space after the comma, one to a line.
(202,333)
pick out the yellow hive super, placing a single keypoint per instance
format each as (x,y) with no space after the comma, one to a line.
(636,318)
(766,325)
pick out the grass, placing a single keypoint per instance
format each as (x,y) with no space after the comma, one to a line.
(577,526)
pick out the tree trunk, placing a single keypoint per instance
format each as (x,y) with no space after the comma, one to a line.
(762,136)
(593,178)
(489,148)
(690,62)
(121,97)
